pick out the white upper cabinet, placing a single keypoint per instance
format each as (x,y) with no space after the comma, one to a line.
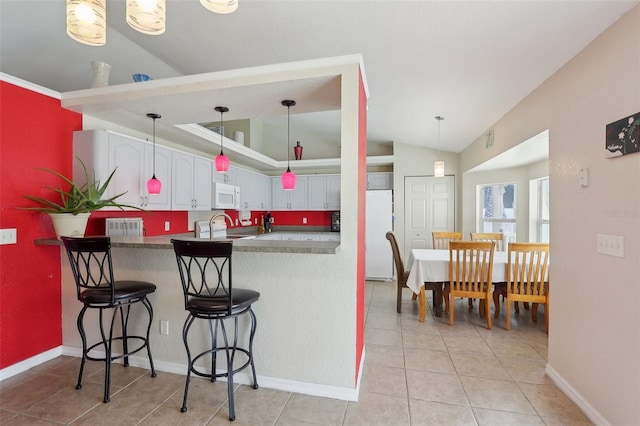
(380,180)
(295,199)
(323,192)
(191,178)
(103,151)
(229,177)
(255,190)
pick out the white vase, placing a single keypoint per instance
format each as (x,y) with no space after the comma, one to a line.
(100,73)
(69,225)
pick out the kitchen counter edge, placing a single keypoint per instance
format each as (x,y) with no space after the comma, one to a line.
(163,242)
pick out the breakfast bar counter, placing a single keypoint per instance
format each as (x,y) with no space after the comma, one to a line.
(239,244)
(306,314)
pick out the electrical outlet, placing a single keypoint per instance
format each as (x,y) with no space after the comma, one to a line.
(304,220)
(167,226)
(164,327)
(8,236)
(611,245)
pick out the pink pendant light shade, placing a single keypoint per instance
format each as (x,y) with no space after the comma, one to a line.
(288,177)
(154,186)
(222,161)
(288,180)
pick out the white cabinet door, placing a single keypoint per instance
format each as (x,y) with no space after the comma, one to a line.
(182,181)
(333,192)
(379,180)
(295,199)
(264,192)
(324,192)
(230,177)
(191,182)
(202,168)
(161,201)
(126,156)
(246,182)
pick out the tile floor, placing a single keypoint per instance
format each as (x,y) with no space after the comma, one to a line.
(415,374)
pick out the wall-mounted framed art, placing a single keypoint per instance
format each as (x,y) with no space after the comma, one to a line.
(623,136)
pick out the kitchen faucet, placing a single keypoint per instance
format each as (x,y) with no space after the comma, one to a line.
(213,219)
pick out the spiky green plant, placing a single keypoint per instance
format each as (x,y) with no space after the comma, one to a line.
(78,199)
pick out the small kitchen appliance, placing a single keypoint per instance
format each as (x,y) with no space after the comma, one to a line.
(335,221)
(267,222)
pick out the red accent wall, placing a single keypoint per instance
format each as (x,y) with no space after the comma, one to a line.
(362,187)
(34,132)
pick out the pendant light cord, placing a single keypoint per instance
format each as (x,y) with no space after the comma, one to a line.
(154,147)
(288,131)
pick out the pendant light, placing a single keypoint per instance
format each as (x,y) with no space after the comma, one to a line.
(222,161)
(146,16)
(288,177)
(438,166)
(87,21)
(154,185)
(220,6)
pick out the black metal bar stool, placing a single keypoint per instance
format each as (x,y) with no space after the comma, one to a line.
(91,264)
(205,272)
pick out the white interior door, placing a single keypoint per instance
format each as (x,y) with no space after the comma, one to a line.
(429,207)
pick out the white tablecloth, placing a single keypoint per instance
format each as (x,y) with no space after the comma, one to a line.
(428,265)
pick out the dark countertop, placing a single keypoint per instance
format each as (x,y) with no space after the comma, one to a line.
(241,245)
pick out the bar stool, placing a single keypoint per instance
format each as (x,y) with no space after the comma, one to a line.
(91,264)
(205,272)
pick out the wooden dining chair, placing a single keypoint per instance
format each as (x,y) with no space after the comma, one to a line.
(527,278)
(496,237)
(402,276)
(470,272)
(441,240)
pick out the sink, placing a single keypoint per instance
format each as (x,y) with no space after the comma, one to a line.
(239,237)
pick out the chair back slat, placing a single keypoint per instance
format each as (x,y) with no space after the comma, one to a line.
(91,263)
(496,237)
(441,240)
(205,271)
(527,269)
(470,266)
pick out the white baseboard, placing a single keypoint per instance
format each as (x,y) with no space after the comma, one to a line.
(575,396)
(244,377)
(25,365)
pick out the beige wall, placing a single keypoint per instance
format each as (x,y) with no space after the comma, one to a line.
(594,340)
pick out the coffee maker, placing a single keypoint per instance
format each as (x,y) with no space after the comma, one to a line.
(335,221)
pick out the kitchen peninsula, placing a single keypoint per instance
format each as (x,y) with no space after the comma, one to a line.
(310,316)
(300,324)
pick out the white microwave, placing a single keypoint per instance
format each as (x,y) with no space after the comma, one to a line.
(226,197)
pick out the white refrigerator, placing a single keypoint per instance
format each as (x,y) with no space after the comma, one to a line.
(379,220)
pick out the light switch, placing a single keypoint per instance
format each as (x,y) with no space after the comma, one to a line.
(611,245)
(584,178)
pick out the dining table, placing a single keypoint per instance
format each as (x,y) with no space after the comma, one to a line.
(432,266)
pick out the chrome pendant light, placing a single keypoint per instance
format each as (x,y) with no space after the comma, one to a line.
(288,177)
(87,21)
(147,16)
(154,186)
(222,161)
(438,166)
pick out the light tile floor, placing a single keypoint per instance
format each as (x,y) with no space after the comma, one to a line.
(415,373)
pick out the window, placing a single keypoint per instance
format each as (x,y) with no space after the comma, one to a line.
(497,209)
(542,210)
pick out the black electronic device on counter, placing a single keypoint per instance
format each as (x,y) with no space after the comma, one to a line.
(267,222)
(335,221)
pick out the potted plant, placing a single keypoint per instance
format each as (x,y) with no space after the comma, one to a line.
(71,213)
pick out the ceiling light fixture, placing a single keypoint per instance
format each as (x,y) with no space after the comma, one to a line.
(220,6)
(154,186)
(147,16)
(438,166)
(288,177)
(87,21)
(222,161)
